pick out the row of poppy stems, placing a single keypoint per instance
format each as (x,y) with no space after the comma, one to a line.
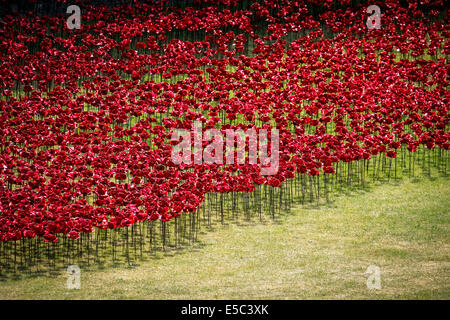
(128,245)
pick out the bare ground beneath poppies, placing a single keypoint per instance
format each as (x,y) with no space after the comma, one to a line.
(315,252)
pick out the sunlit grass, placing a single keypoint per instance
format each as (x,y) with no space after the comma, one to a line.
(314,252)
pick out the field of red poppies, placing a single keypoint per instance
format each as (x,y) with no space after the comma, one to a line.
(87,115)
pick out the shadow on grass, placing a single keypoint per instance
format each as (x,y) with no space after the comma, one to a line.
(243,220)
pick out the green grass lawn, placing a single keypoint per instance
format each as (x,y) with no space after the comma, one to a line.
(312,253)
